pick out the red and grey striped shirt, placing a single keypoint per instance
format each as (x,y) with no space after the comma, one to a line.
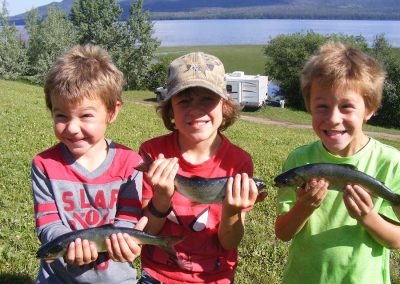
(69,197)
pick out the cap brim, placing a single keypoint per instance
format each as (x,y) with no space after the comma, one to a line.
(195,83)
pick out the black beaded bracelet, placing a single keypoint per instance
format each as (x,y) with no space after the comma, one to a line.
(157,213)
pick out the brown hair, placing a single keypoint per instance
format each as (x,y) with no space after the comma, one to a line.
(84,71)
(338,65)
(230,113)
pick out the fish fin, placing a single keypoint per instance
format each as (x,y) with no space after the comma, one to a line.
(144,165)
(169,247)
(50,260)
(352,167)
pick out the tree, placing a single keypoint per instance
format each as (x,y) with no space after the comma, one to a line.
(12,52)
(32,26)
(388,113)
(48,40)
(97,21)
(287,55)
(157,75)
(136,47)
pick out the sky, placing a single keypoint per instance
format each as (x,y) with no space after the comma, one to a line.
(16,7)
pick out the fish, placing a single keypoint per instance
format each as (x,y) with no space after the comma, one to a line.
(198,189)
(338,175)
(59,246)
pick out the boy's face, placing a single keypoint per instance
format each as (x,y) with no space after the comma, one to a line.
(198,114)
(338,116)
(81,126)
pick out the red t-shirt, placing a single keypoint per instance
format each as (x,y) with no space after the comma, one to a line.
(203,258)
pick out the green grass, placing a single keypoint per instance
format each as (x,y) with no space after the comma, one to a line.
(247,58)
(26,129)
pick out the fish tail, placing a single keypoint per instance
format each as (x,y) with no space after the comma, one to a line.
(170,243)
(144,165)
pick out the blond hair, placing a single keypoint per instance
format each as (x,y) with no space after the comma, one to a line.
(338,65)
(84,71)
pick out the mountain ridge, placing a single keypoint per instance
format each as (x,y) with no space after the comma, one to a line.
(250,9)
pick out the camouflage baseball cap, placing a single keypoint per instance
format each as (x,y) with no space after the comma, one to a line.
(196,69)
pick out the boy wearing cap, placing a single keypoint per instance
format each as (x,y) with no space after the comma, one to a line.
(196,110)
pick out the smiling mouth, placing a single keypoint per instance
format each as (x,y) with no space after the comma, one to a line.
(334,133)
(198,123)
(76,140)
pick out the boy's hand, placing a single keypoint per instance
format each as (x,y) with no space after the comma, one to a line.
(358,202)
(122,248)
(314,193)
(81,252)
(241,193)
(161,175)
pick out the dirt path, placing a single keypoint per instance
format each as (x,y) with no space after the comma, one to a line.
(267,121)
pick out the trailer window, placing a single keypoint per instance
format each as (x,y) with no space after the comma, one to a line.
(229,88)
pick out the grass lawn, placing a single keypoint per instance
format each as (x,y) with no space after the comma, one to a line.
(26,129)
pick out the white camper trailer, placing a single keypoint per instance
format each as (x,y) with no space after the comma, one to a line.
(247,90)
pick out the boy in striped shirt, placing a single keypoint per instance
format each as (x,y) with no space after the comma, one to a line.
(86,180)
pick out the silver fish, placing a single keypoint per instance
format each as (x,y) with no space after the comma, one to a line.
(338,175)
(198,189)
(58,247)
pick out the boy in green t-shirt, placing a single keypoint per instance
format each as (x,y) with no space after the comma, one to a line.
(340,237)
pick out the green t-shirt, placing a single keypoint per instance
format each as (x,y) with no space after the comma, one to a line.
(332,247)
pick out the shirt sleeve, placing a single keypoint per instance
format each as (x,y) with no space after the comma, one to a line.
(48,221)
(129,208)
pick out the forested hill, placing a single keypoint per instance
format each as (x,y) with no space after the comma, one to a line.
(264,9)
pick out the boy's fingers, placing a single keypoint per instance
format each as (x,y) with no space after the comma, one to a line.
(229,189)
(141,224)
(236,187)
(78,251)
(93,250)
(253,191)
(70,256)
(87,253)
(244,186)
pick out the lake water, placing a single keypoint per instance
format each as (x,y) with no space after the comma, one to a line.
(249,31)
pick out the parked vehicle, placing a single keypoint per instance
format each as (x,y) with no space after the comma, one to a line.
(160,93)
(245,90)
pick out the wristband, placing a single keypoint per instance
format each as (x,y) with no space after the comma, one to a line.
(157,213)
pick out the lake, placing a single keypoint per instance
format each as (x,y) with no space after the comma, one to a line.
(249,31)
(258,31)
(254,31)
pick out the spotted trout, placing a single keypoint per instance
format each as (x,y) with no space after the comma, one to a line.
(198,189)
(338,175)
(58,247)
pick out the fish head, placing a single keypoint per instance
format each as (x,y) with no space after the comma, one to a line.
(260,184)
(288,179)
(50,251)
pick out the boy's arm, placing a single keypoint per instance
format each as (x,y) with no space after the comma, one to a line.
(48,222)
(121,247)
(360,206)
(160,177)
(308,199)
(129,204)
(241,194)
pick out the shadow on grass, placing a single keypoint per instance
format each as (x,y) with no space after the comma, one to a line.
(14,278)
(154,100)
